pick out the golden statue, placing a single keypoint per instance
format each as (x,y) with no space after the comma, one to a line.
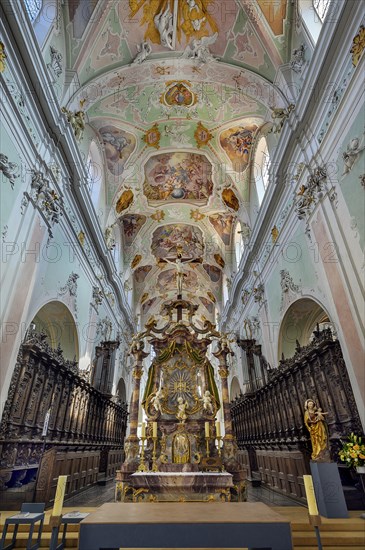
(181,449)
(317,427)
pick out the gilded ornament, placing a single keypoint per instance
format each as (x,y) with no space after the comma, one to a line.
(3,56)
(137,258)
(196,215)
(152,137)
(179,94)
(274,234)
(202,135)
(358,45)
(230,199)
(158,216)
(124,201)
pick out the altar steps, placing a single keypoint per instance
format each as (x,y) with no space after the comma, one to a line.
(336,534)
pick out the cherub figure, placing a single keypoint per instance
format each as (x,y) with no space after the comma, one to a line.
(156,400)
(207,402)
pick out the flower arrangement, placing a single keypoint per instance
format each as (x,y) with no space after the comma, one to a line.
(353,452)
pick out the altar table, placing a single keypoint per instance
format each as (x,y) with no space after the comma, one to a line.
(185,525)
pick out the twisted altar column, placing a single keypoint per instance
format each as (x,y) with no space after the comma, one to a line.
(132,442)
(223,372)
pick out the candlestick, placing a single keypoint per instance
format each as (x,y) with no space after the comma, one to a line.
(143,432)
(311,498)
(218,429)
(154,463)
(219,438)
(207,432)
(142,465)
(154,430)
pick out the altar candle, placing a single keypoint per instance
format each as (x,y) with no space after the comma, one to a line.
(143,432)
(218,429)
(154,429)
(207,429)
(60,495)
(311,497)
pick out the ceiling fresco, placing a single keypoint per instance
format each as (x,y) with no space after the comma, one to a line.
(169,240)
(176,92)
(132,223)
(178,176)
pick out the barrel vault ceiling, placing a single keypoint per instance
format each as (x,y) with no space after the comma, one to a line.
(176,131)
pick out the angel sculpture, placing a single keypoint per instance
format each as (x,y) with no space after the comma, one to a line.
(350,156)
(164,24)
(198,50)
(8,169)
(156,400)
(144,51)
(207,402)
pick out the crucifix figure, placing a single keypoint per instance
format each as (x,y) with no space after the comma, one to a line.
(180,273)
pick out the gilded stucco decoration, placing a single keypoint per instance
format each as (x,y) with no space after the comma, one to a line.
(202,135)
(358,46)
(2,57)
(179,94)
(152,137)
(230,199)
(124,201)
(169,27)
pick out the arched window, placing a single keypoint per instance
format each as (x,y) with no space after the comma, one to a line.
(33,8)
(321,8)
(239,245)
(261,171)
(313,13)
(94,172)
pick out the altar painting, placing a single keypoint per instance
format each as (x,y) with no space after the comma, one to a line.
(178,177)
(168,239)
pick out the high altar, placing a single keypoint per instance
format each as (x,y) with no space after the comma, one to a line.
(181,455)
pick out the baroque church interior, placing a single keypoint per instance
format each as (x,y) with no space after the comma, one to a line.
(182,220)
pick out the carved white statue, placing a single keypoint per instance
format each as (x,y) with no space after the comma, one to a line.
(144,51)
(156,400)
(164,24)
(207,402)
(351,154)
(181,409)
(199,49)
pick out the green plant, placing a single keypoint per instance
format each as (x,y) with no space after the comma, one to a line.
(353,451)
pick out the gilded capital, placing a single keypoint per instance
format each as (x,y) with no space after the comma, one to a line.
(223,372)
(137,373)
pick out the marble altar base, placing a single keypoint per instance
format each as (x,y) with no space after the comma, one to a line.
(176,487)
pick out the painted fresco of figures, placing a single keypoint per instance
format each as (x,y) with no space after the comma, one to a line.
(317,427)
(178,176)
